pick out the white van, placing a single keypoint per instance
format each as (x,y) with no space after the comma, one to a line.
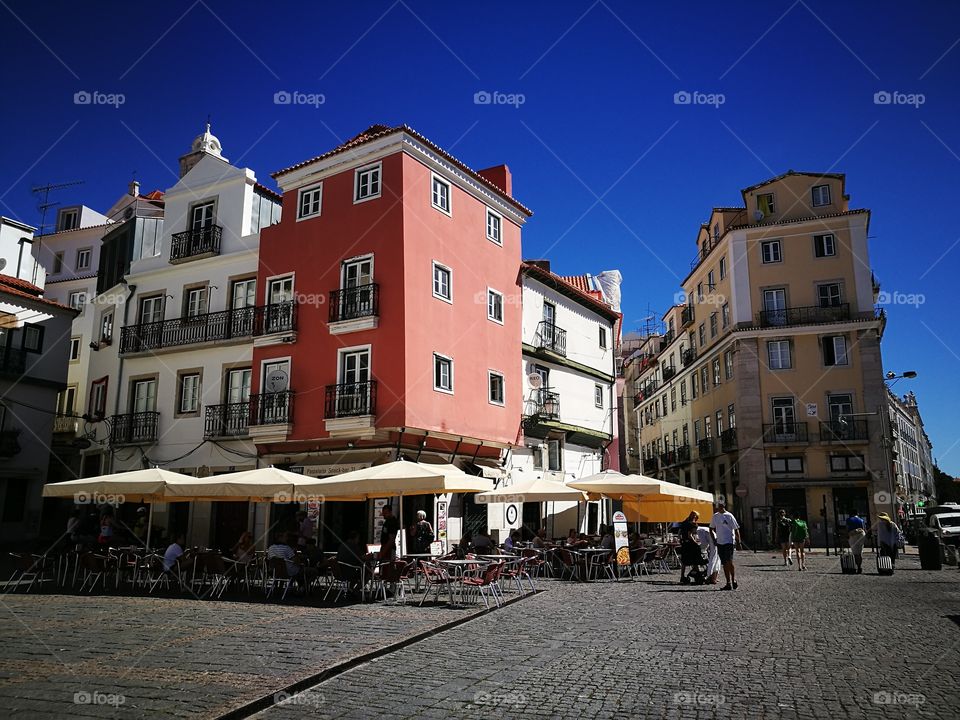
(946,526)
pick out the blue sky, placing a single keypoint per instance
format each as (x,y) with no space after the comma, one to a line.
(618,175)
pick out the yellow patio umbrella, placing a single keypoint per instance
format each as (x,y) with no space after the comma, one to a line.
(647,499)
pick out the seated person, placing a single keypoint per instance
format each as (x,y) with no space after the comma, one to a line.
(606,541)
(482,542)
(283,549)
(571,537)
(512,541)
(243,551)
(312,553)
(174,552)
(351,552)
(540,541)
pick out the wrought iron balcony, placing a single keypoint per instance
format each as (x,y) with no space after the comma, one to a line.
(668,372)
(13,361)
(215,326)
(356,302)
(665,341)
(688,356)
(680,455)
(687,315)
(706,448)
(195,243)
(546,404)
(66,424)
(728,440)
(227,420)
(350,400)
(844,431)
(808,315)
(785,433)
(552,338)
(650,466)
(134,428)
(272,408)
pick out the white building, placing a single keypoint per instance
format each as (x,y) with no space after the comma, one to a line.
(570,331)
(911,454)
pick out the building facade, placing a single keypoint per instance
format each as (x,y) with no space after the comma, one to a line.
(911,456)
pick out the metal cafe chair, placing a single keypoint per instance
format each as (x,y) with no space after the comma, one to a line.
(277,576)
(437,579)
(486,584)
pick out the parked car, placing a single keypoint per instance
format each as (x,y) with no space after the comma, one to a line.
(946,526)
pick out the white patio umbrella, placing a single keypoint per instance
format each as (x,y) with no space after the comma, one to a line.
(613,484)
(536,489)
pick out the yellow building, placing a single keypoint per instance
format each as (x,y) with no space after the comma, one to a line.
(767,384)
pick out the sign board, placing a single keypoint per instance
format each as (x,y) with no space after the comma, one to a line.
(436,548)
(510,514)
(313,510)
(442,524)
(329,470)
(741,491)
(378,505)
(621,539)
(811,409)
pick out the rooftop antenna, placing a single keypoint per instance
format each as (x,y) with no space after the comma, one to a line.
(43,191)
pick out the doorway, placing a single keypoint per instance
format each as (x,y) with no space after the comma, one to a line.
(229,522)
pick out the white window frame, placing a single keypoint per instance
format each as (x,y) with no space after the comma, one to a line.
(602,339)
(779,344)
(491,293)
(311,190)
(434,179)
(498,240)
(503,388)
(75,348)
(844,353)
(64,213)
(366,170)
(823,237)
(814,195)
(196,394)
(764,244)
(106,320)
(77,300)
(598,396)
(433,281)
(773,203)
(437,357)
(89,256)
(723,267)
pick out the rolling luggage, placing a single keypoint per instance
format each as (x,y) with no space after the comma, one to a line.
(884,565)
(848,563)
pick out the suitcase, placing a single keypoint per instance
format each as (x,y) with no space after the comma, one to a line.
(884,565)
(848,563)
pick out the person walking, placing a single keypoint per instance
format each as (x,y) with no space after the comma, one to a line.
(388,535)
(856,535)
(784,528)
(888,536)
(799,536)
(690,553)
(726,535)
(713,560)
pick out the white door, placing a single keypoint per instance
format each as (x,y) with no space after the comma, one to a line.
(202,216)
(243,298)
(244,293)
(144,396)
(784,419)
(238,385)
(274,395)
(279,312)
(357,298)
(353,393)
(151,309)
(775,306)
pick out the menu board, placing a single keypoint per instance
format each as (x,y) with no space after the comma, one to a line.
(621,539)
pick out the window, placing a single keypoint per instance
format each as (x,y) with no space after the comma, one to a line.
(367,183)
(494,223)
(699,292)
(683,392)
(713,325)
(74,349)
(442,373)
(778,355)
(202,216)
(603,337)
(821,195)
(725,314)
(846,463)
(786,464)
(77,300)
(835,350)
(68,219)
(310,200)
(696,431)
(495,388)
(98,397)
(33,338)
(554,456)
(716,371)
(598,396)
(495,306)
(440,195)
(829,295)
(728,364)
(765,204)
(731,416)
(704,379)
(723,267)
(143,396)
(770,251)
(673,399)
(195,303)
(106,328)
(719,421)
(83,259)
(442,282)
(243,293)
(711,284)
(702,334)
(693,386)
(824,245)
(151,309)
(716,232)
(664,403)
(189,394)
(686,434)
(57,263)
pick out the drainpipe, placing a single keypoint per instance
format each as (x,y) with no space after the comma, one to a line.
(131,289)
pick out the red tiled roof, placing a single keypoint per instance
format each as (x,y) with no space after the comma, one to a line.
(580,282)
(267,191)
(378,131)
(588,298)
(21,288)
(153,195)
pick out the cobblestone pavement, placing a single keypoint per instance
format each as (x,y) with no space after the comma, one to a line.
(786,644)
(74,656)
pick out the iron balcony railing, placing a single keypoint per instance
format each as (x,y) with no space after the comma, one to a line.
(668,372)
(272,408)
(688,356)
(665,341)
(215,326)
(356,302)
(193,243)
(846,430)
(785,433)
(350,399)
(680,455)
(687,315)
(650,466)
(807,315)
(706,448)
(227,420)
(552,338)
(547,404)
(728,440)
(13,361)
(66,424)
(134,428)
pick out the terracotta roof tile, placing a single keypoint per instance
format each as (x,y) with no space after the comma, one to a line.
(21,288)
(591,299)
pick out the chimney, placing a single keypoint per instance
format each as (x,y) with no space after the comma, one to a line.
(500,176)
(134,188)
(542,264)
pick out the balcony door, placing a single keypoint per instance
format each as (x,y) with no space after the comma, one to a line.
(353,392)
(775,306)
(236,412)
(243,298)
(151,309)
(784,419)
(279,305)
(274,395)
(357,298)
(201,217)
(144,396)
(238,386)
(841,408)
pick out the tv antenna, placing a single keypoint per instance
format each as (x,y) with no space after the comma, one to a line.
(44,192)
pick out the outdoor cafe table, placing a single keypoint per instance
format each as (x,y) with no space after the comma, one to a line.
(417,559)
(459,566)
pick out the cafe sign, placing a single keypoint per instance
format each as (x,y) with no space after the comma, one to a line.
(330,470)
(621,539)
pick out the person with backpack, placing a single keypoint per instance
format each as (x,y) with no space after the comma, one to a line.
(799,535)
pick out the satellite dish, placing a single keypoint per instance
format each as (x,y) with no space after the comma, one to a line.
(757,215)
(277,381)
(535,380)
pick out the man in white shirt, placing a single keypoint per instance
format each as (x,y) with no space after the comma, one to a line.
(174,552)
(726,534)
